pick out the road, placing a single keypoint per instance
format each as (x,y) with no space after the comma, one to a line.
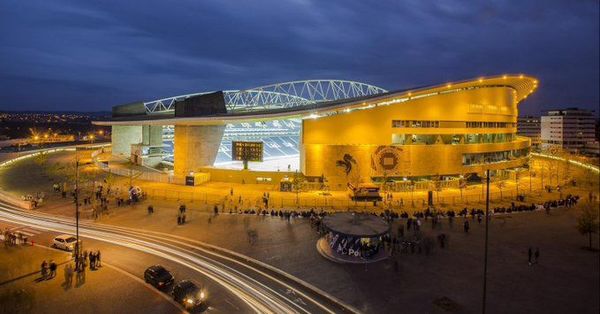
(246,285)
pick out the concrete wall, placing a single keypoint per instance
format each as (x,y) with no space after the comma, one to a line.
(122,138)
(196,147)
(152,135)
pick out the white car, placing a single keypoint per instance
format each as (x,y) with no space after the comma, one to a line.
(65,242)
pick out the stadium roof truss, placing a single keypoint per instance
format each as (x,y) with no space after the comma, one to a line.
(280,95)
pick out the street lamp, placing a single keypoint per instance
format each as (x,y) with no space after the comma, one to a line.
(487,220)
(78,243)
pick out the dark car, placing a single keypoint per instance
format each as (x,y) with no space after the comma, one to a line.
(188,294)
(158,276)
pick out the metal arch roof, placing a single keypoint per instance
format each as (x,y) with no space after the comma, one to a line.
(279,95)
(521,85)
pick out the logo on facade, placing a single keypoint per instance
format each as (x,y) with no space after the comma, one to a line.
(386,159)
(346,162)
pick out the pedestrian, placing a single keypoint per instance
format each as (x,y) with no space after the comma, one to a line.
(529,254)
(98,260)
(84,259)
(466,226)
(537,254)
(92,261)
(68,276)
(150,209)
(44,269)
(52,269)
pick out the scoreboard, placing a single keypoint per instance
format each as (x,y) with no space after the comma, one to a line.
(247,151)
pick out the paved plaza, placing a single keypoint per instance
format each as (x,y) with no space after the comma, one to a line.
(566,278)
(23,291)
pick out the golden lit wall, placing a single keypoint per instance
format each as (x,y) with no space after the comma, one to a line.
(362,133)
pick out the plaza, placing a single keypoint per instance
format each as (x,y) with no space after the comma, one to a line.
(290,244)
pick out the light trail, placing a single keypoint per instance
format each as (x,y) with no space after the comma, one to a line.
(257,295)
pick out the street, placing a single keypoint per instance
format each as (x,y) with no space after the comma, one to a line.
(234,282)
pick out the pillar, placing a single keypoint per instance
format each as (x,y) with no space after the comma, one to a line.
(123,136)
(196,147)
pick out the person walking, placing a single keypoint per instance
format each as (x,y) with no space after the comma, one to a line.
(536,255)
(98,260)
(92,261)
(68,276)
(44,269)
(529,253)
(466,226)
(52,269)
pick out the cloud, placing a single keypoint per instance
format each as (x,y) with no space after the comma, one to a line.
(118,52)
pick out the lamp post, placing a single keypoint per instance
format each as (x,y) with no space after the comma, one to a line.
(78,244)
(485,257)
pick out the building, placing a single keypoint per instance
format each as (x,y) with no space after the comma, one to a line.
(572,129)
(530,127)
(437,131)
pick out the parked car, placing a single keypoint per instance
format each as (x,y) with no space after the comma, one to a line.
(158,276)
(188,294)
(64,242)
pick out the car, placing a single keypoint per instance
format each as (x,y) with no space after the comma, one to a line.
(64,242)
(158,276)
(188,294)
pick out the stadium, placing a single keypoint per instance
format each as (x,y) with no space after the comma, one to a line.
(331,131)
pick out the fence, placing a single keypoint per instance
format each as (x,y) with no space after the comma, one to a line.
(155,176)
(403,197)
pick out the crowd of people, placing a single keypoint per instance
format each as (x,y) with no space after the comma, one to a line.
(13,238)
(430,212)
(100,196)
(48,269)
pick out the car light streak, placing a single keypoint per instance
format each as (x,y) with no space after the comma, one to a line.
(258,296)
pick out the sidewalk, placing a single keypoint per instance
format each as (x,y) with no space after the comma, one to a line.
(102,291)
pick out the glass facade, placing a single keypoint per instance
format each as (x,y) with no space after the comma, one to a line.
(451,139)
(493,157)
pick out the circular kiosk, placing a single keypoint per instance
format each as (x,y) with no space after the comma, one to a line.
(353,238)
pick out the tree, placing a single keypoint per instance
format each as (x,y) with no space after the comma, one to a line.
(587,222)
(500,185)
(517,178)
(297,185)
(462,183)
(435,184)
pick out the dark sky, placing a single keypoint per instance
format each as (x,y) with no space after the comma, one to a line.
(71,55)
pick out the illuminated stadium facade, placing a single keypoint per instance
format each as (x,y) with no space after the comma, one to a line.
(339,130)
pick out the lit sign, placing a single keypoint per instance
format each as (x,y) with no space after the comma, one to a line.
(247,151)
